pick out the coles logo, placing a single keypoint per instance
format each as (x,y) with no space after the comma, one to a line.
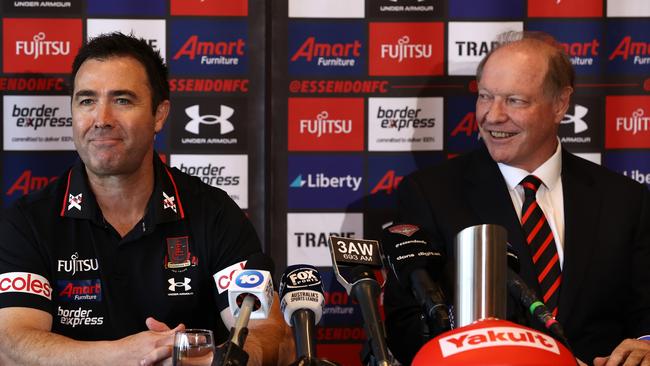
(222,278)
(326,49)
(403,49)
(565,8)
(79,290)
(326,124)
(627,123)
(209,7)
(627,47)
(208,47)
(24,282)
(40,45)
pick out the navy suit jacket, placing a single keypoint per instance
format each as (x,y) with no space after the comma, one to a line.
(605,290)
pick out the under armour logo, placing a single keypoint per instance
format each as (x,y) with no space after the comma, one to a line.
(168,202)
(578,124)
(209,119)
(185,284)
(75,201)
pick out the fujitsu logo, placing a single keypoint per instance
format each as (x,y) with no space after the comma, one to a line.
(636,123)
(38,46)
(627,48)
(75,265)
(310,49)
(322,125)
(209,119)
(404,50)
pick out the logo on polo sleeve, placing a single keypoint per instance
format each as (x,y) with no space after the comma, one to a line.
(25,282)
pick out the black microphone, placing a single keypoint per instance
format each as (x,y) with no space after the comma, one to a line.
(528,299)
(362,256)
(414,264)
(301,294)
(250,296)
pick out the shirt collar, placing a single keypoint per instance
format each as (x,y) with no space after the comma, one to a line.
(164,204)
(549,172)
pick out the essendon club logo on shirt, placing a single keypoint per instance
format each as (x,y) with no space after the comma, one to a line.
(565,8)
(209,7)
(627,123)
(326,124)
(403,49)
(40,45)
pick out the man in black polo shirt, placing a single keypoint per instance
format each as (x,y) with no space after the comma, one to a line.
(97,266)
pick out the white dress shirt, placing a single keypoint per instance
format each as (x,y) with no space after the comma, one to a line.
(549,195)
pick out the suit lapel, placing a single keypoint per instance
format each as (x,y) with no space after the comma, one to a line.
(581,211)
(489,197)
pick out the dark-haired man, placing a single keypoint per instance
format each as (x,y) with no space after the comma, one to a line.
(95,268)
(587,255)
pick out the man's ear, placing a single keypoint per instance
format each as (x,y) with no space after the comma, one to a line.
(162,111)
(562,103)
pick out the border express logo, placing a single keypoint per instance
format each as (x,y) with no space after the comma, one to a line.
(565,8)
(228,172)
(582,41)
(326,49)
(151,30)
(486,9)
(406,49)
(628,47)
(209,7)
(469,42)
(633,164)
(325,181)
(326,124)
(203,124)
(209,47)
(627,122)
(405,124)
(308,235)
(37,123)
(39,45)
(127,7)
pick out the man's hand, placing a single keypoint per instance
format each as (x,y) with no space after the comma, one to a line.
(630,352)
(161,338)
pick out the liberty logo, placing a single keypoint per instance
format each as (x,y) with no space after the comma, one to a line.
(298,182)
(225,126)
(579,125)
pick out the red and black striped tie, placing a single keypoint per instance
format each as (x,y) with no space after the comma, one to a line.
(541,244)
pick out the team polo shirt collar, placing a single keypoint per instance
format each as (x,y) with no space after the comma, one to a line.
(164,205)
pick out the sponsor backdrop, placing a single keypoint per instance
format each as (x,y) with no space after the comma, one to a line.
(366,92)
(329,103)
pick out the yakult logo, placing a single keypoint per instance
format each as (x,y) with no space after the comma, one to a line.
(39,46)
(323,125)
(494,337)
(74,265)
(403,49)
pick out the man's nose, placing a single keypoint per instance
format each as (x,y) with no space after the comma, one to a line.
(496,111)
(103,115)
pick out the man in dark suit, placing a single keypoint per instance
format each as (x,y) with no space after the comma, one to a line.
(599,220)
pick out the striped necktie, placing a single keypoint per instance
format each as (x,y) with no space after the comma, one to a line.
(541,244)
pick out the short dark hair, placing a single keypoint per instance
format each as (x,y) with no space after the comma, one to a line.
(118,44)
(560,73)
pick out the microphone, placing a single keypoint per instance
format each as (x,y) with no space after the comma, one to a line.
(250,296)
(414,264)
(362,256)
(526,296)
(301,293)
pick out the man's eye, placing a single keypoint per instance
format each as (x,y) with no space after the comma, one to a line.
(122,101)
(516,101)
(85,102)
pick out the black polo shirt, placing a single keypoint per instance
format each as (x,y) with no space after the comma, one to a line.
(58,254)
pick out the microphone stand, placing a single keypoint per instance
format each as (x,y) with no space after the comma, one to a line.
(232,353)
